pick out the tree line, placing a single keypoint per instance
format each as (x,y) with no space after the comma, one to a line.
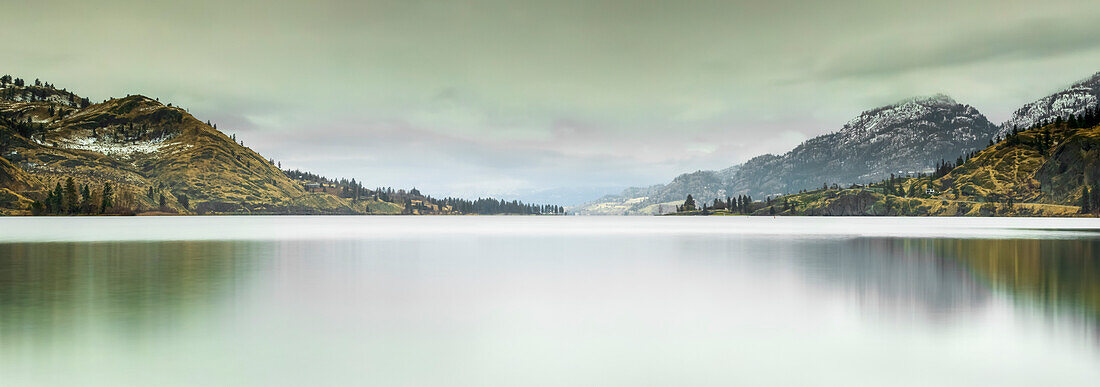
(741,204)
(413,201)
(39,93)
(69,200)
(490,206)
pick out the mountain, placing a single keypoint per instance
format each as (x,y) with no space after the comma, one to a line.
(159,158)
(905,138)
(1073,100)
(142,146)
(1044,171)
(908,137)
(662,198)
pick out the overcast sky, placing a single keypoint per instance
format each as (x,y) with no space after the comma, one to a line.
(510,98)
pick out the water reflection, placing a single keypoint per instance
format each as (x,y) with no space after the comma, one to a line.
(46,287)
(135,289)
(500,310)
(940,280)
(1057,276)
(896,278)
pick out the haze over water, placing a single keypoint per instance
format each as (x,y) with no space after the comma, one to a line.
(549,301)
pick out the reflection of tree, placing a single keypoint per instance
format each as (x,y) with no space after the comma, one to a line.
(942,278)
(54,288)
(1054,274)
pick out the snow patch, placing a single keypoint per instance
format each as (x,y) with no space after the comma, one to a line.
(113,148)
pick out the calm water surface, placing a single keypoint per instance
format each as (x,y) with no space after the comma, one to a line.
(522,301)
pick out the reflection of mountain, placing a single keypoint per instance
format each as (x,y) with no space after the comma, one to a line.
(945,278)
(49,289)
(1055,275)
(896,277)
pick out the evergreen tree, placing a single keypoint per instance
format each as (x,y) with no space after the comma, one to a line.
(85,199)
(59,200)
(48,206)
(689,203)
(72,200)
(107,198)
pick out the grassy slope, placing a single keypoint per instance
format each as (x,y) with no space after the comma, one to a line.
(1012,169)
(1042,180)
(194,159)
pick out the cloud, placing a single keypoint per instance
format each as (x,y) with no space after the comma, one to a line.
(486,97)
(891,55)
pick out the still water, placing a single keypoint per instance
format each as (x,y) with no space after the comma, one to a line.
(530,301)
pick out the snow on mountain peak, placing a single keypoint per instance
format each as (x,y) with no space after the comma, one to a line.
(1074,100)
(931,100)
(906,111)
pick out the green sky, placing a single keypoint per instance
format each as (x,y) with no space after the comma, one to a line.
(513,97)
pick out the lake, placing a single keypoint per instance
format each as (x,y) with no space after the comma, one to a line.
(534,301)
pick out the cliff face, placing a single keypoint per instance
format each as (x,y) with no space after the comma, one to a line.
(1072,165)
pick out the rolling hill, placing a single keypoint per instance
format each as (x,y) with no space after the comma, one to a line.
(159,158)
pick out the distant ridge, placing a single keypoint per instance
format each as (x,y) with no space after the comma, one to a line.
(909,136)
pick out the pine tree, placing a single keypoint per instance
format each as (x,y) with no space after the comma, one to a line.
(72,201)
(48,206)
(85,199)
(108,198)
(689,203)
(58,199)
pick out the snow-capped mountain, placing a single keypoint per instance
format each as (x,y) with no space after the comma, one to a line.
(908,137)
(1072,101)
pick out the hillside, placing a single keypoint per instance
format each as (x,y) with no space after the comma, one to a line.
(1044,171)
(152,157)
(137,143)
